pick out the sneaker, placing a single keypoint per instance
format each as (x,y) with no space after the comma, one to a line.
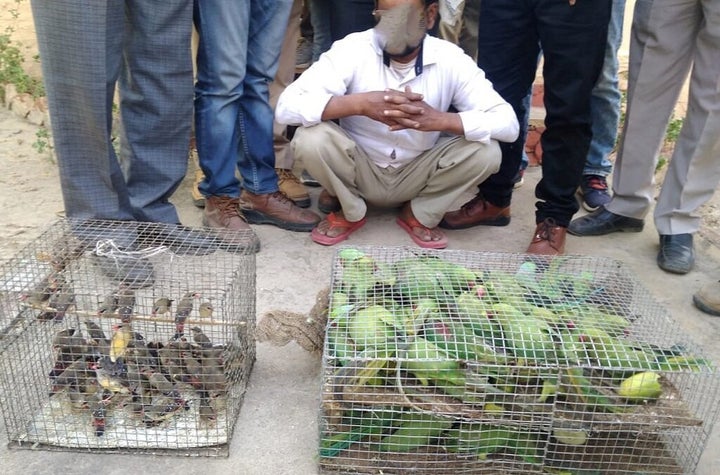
(223,214)
(304,52)
(519,178)
(308,180)
(594,192)
(277,209)
(290,185)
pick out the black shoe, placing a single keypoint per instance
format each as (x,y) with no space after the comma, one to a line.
(122,234)
(594,192)
(676,253)
(133,272)
(602,221)
(112,244)
(180,239)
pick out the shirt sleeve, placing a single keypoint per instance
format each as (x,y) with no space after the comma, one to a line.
(305,99)
(484,113)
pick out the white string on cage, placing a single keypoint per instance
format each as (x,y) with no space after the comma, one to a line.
(108,248)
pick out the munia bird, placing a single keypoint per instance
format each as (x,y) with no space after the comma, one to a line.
(122,336)
(161,306)
(182,311)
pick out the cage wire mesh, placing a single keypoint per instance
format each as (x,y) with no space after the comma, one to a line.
(473,362)
(127,337)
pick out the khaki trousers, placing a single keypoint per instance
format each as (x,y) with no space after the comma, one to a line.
(670,39)
(432,182)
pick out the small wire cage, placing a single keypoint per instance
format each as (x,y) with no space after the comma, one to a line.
(473,362)
(127,337)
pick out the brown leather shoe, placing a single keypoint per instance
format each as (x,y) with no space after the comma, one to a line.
(476,212)
(548,240)
(328,203)
(222,213)
(289,184)
(277,209)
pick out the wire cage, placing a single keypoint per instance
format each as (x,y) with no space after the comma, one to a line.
(474,362)
(127,337)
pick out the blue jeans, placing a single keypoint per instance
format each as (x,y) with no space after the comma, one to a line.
(350,16)
(605,99)
(238,54)
(322,27)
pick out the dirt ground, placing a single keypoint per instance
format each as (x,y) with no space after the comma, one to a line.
(276,432)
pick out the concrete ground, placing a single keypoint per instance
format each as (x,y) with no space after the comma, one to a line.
(277,431)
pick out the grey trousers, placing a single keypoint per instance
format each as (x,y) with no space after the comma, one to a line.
(87,47)
(432,182)
(670,39)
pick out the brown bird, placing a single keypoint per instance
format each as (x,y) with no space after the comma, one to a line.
(184,309)
(206,310)
(108,305)
(200,338)
(60,301)
(39,295)
(95,333)
(161,306)
(162,408)
(205,409)
(71,342)
(125,297)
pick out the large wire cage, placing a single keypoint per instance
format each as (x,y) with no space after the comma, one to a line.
(127,337)
(446,362)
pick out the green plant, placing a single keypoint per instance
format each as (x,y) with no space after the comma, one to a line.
(11,60)
(43,142)
(673,131)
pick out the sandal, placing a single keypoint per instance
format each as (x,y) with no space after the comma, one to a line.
(336,222)
(409,223)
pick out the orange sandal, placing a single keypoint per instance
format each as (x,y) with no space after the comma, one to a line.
(409,223)
(336,222)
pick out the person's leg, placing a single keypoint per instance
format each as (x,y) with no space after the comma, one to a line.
(508,27)
(322,26)
(223,29)
(156,92)
(605,110)
(333,158)
(656,75)
(451,21)
(288,183)
(256,157)
(350,16)
(694,170)
(573,39)
(440,176)
(469,30)
(80,44)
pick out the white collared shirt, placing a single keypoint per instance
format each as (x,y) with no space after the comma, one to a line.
(355,64)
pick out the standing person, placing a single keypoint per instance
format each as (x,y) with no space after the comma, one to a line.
(288,183)
(572,35)
(458,24)
(668,42)
(605,111)
(237,59)
(390,89)
(87,49)
(350,16)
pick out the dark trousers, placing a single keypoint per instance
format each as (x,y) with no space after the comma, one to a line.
(573,38)
(350,16)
